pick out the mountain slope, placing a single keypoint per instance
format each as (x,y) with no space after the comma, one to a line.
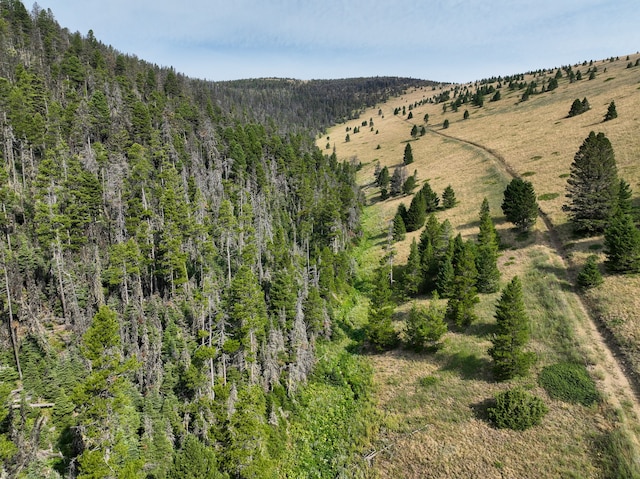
(433,403)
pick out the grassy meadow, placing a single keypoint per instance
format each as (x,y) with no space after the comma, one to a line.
(433,405)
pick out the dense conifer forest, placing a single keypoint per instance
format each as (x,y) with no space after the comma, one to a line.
(173,255)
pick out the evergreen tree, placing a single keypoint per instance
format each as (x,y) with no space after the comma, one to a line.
(464,295)
(417,212)
(425,326)
(195,461)
(409,185)
(397,180)
(105,411)
(399,229)
(622,243)
(593,185)
(519,205)
(408,154)
(448,197)
(624,197)
(611,112)
(445,124)
(590,276)
(445,277)
(431,199)
(512,334)
(487,253)
(414,133)
(379,330)
(412,278)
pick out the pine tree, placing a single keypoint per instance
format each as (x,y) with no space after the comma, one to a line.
(512,334)
(431,199)
(417,212)
(397,180)
(624,197)
(590,276)
(611,112)
(519,205)
(409,185)
(592,186)
(622,243)
(399,229)
(488,280)
(379,330)
(464,295)
(448,197)
(412,278)
(445,277)
(425,326)
(408,154)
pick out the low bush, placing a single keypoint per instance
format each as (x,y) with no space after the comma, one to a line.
(517,409)
(569,382)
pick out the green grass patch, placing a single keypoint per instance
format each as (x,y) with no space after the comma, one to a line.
(569,382)
(528,173)
(428,381)
(536,157)
(548,196)
(608,79)
(564,175)
(595,247)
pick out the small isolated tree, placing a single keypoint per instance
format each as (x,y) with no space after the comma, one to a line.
(347,138)
(445,124)
(414,131)
(408,155)
(425,326)
(611,112)
(517,409)
(512,334)
(426,118)
(578,107)
(466,115)
(519,205)
(590,276)
(448,197)
(496,96)
(593,185)
(622,243)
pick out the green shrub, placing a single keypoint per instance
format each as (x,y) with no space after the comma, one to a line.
(569,382)
(517,409)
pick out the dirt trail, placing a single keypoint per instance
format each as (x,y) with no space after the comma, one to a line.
(619,384)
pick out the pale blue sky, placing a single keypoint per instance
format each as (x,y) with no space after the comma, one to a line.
(456,40)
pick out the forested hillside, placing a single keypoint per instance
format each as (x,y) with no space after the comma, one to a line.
(171,267)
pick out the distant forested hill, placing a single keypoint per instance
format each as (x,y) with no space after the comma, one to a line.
(311,105)
(171,265)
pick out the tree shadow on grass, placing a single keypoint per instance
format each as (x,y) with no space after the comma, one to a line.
(468,365)
(481,409)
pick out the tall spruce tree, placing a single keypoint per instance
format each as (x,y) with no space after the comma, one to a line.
(417,212)
(488,280)
(412,277)
(512,334)
(408,153)
(593,185)
(519,205)
(622,243)
(464,296)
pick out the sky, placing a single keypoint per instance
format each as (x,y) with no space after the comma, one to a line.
(440,40)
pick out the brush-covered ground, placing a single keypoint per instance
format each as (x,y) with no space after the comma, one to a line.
(433,405)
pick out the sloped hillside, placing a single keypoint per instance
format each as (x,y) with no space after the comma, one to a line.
(434,403)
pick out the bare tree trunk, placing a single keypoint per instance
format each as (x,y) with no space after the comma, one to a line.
(12,333)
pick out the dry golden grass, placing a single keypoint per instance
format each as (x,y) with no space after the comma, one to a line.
(536,139)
